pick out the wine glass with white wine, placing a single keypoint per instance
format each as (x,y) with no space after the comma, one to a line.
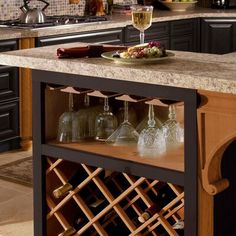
(142,19)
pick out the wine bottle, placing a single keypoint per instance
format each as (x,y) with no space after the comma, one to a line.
(68,232)
(149,212)
(164,196)
(80,219)
(72,183)
(179,227)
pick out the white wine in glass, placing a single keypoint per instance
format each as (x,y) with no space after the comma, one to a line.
(141,18)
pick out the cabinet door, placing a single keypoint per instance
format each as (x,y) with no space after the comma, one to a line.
(182,43)
(8,83)
(158,31)
(218,35)
(112,36)
(184,35)
(9,127)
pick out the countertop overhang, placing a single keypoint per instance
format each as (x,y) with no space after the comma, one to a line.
(186,69)
(116,22)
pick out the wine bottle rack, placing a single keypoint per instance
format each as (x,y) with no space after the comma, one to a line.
(136,180)
(125,198)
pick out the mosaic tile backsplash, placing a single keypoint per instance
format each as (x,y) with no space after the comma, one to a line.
(10,9)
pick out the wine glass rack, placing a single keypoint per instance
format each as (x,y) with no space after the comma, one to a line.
(116,186)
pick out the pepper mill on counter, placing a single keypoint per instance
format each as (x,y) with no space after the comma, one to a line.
(95,8)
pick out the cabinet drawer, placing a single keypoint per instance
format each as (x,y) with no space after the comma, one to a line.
(8,83)
(156,31)
(113,36)
(181,27)
(8,45)
(9,127)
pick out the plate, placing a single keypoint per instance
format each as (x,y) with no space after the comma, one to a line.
(108,55)
(179,6)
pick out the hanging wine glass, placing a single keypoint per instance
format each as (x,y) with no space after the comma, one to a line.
(83,124)
(144,123)
(132,117)
(173,132)
(64,133)
(151,142)
(125,134)
(141,18)
(105,123)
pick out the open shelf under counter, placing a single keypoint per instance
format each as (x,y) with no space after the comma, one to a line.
(169,166)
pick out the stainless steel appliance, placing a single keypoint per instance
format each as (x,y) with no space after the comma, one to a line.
(53,21)
(223,4)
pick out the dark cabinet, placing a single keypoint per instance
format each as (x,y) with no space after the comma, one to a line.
(8,45)
(111,36)
(9,102)
(158,31)
(218,35)
(182,43)
(180,35)
(9,120)
(184,35)
(8,83)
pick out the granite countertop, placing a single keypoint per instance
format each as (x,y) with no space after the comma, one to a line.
(117,21)
(186,69)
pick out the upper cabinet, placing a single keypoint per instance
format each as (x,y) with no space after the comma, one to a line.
(218,35)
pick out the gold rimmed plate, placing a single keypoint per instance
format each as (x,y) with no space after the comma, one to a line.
(152,60)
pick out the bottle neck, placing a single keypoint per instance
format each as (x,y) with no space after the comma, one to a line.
(61,191)
(68,232)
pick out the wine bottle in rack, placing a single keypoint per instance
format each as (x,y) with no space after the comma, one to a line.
(72,183)
(68,232)
(80,219)
(179,227)
(165,195)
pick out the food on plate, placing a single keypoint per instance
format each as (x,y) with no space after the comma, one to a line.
(152,49)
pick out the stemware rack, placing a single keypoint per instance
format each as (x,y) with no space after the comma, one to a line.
(133,183)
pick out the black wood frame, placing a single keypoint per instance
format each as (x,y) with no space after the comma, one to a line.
(41,149)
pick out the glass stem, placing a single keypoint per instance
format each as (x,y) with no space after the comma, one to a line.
(151,116)
(106,105)
(126,111)
(172,113)
(71,102)
(86,100)
(141,37)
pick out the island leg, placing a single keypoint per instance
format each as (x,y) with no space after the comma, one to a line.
(25,91)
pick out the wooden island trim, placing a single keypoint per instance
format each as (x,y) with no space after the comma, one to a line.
(216,130)
(25,91)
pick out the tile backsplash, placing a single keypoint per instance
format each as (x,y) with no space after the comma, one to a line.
(10,9)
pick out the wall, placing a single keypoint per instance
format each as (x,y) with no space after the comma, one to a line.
(10,9)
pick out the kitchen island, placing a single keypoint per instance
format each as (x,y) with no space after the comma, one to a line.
(205,85)
(184,25)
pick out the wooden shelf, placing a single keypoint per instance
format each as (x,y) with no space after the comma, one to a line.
(172,160)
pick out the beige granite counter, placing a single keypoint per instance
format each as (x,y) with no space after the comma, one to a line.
(186,69)
(117,21)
